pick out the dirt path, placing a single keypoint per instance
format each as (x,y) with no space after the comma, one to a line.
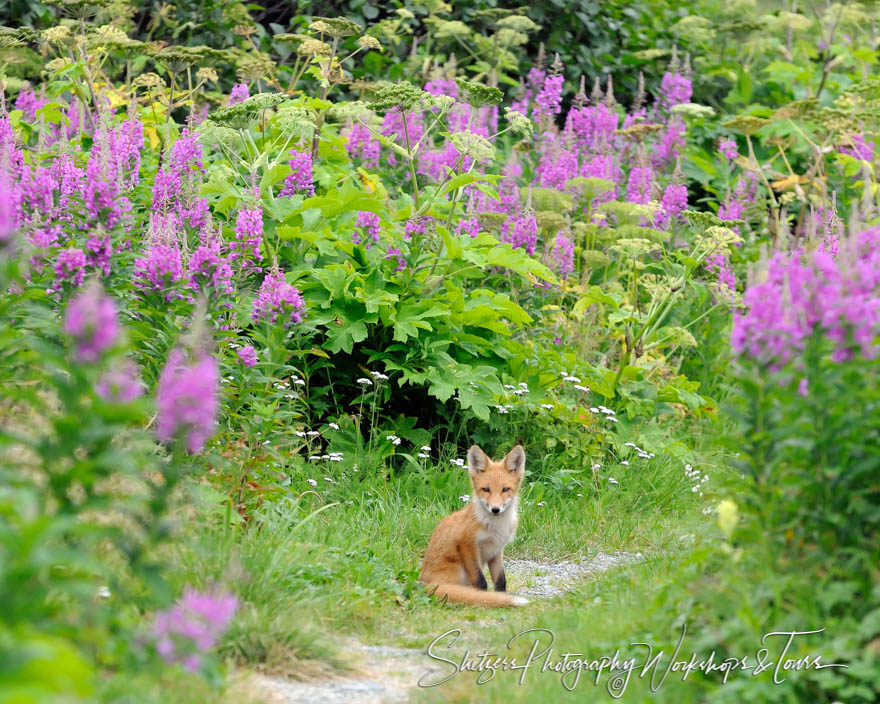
(385,675)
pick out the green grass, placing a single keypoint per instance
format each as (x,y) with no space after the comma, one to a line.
(343,560)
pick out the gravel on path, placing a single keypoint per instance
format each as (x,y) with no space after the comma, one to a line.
(385,675)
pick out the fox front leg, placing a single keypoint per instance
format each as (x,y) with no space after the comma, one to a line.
(471,563)
(496,569)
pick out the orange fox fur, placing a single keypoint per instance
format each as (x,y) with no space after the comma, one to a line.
(468,540)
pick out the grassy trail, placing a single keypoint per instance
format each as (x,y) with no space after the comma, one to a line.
(318,572)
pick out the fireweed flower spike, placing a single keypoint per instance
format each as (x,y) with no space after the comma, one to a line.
(91,321)
(278,300)
(186,399)
(120,384)
(190,629)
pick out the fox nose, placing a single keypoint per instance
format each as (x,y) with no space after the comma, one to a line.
(496,509)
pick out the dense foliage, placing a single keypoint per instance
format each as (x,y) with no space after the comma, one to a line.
(352,246)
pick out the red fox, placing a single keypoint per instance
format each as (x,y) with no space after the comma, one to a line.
(469,539)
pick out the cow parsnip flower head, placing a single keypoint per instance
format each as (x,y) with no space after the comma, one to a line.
(695,29)
(680,337)
(595,259)
(510,37)
(7,41)
(296,121)
(178,58)
(314,47)
(518,23)
(651,54)
(746,124)
(629,213)
(80,9)
(634,246)
(108,34)
(655,285)
(255,65)
(59,34)
(640,130)
(207,74)
(238,116)
(449,29)
(547,198)
(405,14)
(368,42)
(336,27)
(478,95)
(349,110)
(57,64)
(211,133)
(148,80)
(519,123)
(473,145)
(550,220)
(402,95)
(692,110)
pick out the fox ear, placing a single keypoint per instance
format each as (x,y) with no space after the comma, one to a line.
(477,460)
(515,460)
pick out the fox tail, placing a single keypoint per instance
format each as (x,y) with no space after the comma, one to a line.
(461,594)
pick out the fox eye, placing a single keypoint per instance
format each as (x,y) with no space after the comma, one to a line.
(505,489)
(485,488)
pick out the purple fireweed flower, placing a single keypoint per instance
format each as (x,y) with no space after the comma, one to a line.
(721,264)
(98,253)
(675,89)
(558,164)
(670,144)
(562,255)
(370,224)
(363,146)
(638,189)
(414,227)
(803,294)
(160,269)
(728,149)
(471,226)
(300,181)
(8,208)
(90,319)
(548,101)
(247,355)
(209,267)
(191,628)
(522,232)
(238,93)
(70,266)
(121,384)
(278,300)
(859,147)
(395,252)
(674,201)
(249,232)
(186,400)
(28,102)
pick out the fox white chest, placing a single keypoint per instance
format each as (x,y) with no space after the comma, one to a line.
(497,531)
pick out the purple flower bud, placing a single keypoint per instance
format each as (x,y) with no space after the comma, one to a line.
(120,384)
(70,266)
(248,355)
(370,223)
(300,181)
(186,400)
(191,628)
(277,299)
(90,319)
(239,93)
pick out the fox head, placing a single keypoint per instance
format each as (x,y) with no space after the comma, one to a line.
(496,483)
